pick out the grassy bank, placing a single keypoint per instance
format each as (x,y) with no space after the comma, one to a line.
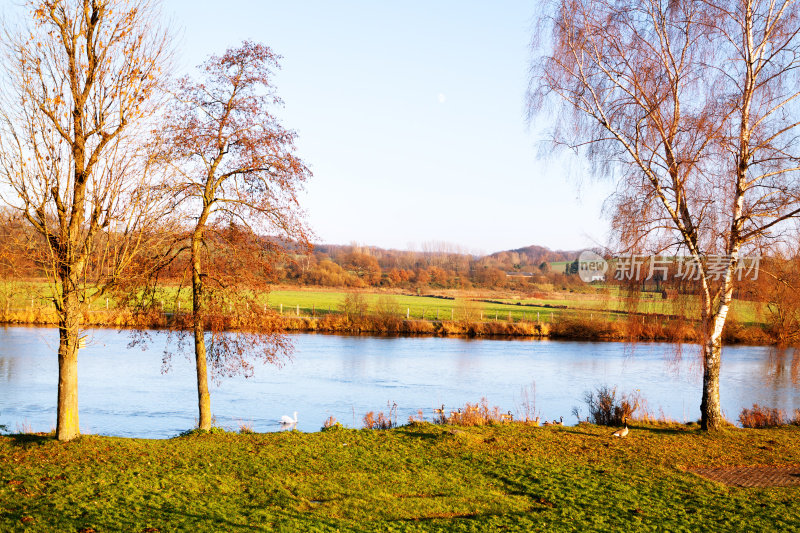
(419,477)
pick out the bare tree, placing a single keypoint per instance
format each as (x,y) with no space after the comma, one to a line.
(237,177)
(692,105)
(78,78)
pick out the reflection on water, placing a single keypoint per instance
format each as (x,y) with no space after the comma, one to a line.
(781,367)
(123,392)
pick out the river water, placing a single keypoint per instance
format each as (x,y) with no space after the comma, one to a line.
(123,391)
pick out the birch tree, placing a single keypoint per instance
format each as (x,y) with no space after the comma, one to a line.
(692,107)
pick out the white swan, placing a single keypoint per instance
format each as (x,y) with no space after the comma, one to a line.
(287,421)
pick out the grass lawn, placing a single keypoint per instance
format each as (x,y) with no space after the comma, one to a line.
(415,478)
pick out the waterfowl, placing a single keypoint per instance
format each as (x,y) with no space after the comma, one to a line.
(438,411)
(560,421)
(624,431)
(507,417)
(286,421)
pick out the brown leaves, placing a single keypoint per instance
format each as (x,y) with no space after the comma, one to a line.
(228,145)
(236,183)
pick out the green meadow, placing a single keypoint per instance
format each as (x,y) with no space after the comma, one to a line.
(420,477)
(608,306)
(310,301)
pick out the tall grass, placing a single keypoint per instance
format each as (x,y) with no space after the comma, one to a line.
(473,414)
(759,417)
(526,411)
(381,421)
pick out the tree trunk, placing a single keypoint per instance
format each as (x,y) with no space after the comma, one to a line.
(710,409)
(67,427)
(203,396)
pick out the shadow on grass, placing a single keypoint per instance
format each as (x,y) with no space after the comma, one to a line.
(516,488)
(30,439)
(145,518)
(606,431)
(425,431)
(667,430)
(577,430)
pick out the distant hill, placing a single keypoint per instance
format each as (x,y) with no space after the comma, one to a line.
(534,255)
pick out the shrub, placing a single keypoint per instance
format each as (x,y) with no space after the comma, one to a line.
(583,328)
(763,417)
(606,409)
(387,312)
(468,310)
(331,424)
(418,419)
(381,421)
(215,430)
(354,305)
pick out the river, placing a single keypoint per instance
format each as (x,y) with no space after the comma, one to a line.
(123,391)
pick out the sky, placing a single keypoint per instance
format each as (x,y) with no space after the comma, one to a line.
(411,116)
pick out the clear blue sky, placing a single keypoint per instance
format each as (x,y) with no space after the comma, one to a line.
(411,116)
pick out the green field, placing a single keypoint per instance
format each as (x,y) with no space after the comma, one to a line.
(318,302)
(741,310)
(424,477)
(321,302)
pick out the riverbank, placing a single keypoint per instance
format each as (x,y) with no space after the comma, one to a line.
(632,328)
(417,477)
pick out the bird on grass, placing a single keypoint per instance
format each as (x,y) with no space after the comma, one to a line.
(624,431)
(287,421)
(439,411)
(507,417)
(559,422)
